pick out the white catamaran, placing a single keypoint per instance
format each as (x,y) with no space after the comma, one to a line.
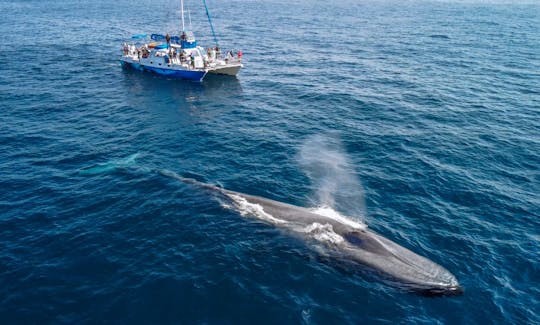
(179,56)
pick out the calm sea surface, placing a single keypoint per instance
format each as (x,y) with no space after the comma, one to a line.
(420,119)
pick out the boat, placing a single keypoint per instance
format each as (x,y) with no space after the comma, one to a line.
(179,56)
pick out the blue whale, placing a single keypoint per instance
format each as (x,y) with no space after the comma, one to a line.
(346,240)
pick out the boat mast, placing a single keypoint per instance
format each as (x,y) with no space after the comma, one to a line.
(182,11)
(210,21)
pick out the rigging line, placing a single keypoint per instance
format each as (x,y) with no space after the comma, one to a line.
(211,25)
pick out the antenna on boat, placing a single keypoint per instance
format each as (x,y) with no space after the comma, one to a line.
(189,16)
(210,21)
(182,11)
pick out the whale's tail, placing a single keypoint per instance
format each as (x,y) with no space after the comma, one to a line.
(115,165)
(187,180)
(110,166)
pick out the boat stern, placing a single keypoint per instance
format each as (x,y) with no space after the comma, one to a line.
(230,69)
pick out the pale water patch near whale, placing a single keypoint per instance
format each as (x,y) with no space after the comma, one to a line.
(111,166)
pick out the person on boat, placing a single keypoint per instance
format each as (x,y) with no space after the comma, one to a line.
(172,54)
(192,60)
(211,54)
(145,52)
(125,48)
(230,56)
(183,36)
(240,54)
(168,39)
(217,52)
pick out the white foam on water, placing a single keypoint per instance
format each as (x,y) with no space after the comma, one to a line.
(226,205)
(322,233)
(330,213)
(251,209)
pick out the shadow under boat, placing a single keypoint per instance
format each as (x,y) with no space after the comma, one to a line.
(212,83)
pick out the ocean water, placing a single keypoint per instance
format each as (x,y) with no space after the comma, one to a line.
(419,119)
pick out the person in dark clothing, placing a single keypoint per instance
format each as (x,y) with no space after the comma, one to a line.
(192,60)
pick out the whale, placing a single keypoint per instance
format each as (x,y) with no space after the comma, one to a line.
(339,238)
(345,240)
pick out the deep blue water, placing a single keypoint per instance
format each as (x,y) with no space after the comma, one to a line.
(421,119)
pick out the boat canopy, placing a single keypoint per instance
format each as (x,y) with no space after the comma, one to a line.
(162,38)
(157,37)
(138,36)
(188,44)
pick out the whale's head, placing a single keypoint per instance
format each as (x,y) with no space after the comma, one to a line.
(401,267)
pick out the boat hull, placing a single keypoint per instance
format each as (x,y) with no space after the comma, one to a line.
(195,75)
(230,70)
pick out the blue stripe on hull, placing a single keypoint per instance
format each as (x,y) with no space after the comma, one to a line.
(181,74)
